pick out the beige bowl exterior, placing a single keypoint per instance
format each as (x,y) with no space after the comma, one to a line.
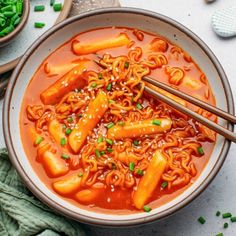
(127,17)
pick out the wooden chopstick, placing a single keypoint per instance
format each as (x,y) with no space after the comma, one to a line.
(208,123)
(193,100)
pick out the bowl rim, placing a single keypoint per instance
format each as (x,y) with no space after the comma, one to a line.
(16,31)
(86,218)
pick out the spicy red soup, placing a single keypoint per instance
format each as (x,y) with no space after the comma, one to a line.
(97,139)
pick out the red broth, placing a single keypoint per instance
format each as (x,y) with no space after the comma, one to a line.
(179,70)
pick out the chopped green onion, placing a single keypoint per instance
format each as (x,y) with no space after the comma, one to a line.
(139,172)
(52,2)
(80,174)
(68,131)
(220,234)
(17,21)
(109,87)
(14,8)
(57,6)
(19,8)
(139,106)
(6,30)
(131,166)
(218,213)
(14,18)
(65,156)
(147,208)
(121,123)
(201,220)
(100,139)
(110,125)
(200,150)
(38,140)
(109,141)
(39,8)
(98,154)
(109,150)
(226,225)
(164,184)
(102,152)
(94,85)
(156,122)
(226,215)
(100,76)
(136,142)
(6,8)
(39,24)
(233,219)
(2,22)
(63,141)
(126,64)
(8,14)
(111,101)
(70,119)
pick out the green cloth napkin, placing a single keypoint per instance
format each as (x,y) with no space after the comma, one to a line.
(21,214)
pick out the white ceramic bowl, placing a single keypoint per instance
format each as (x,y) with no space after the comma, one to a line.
(52,39)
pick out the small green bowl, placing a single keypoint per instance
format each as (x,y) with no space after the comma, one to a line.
(7,39)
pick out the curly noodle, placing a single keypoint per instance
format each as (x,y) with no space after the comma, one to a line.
(122,76)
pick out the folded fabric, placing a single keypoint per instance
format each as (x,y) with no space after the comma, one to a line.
(21,214)
(224,22)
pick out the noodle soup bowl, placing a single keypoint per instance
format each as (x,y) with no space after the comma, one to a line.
(61,33)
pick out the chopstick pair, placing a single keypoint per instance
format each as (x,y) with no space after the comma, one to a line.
(208,123)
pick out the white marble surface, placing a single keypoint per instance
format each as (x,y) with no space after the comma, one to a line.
(221,194)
